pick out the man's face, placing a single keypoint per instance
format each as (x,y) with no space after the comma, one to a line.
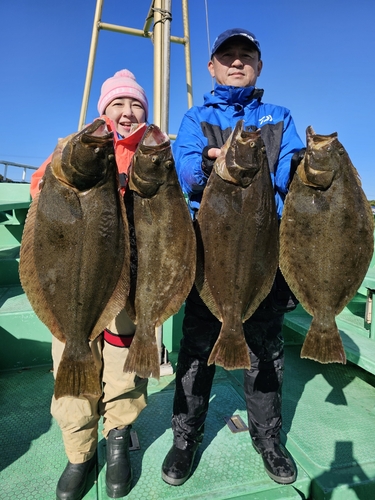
(236,63)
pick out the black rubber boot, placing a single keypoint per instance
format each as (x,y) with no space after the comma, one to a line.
(119,473)
(178,464)
(193,386)
(263,400)
(72,482)
(277,461)
(263,388)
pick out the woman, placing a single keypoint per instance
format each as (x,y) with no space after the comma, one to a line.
(124,104)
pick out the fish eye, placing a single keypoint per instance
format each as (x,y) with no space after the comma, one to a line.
(252,144)
(155,159)
(341,151)
(169,164)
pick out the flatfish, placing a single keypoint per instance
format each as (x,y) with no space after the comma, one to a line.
(74,259)
(237,240)
(165,248)
(326,241)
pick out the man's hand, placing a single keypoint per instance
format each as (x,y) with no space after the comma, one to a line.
(209,155)
(294,162)
(213,152)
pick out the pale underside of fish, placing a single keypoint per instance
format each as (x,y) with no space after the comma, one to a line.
(74,263)
(237,240)
(326,241)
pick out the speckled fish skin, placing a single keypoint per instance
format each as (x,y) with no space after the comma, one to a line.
(74,262)
(326,241)
(237,239)
(166,248)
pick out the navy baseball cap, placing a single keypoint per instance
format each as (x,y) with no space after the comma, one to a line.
(235,32)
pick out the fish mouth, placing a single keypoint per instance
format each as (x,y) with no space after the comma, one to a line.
(81,160)
(244,137)
(319,141)
(233,163)
(95,135)
(154,139)
(317,147)
(151,162)
(319,178)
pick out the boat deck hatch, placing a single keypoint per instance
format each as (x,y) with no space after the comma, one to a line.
(236,424)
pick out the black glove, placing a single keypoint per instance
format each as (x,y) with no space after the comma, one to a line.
(294,162)
(207,162)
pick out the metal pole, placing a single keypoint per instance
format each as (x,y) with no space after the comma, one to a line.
(149,18)
(158,40)
(90,67)
(157,62)
(166,66)
(189,82)
(123,29)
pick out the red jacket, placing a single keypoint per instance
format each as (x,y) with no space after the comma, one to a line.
(124,151)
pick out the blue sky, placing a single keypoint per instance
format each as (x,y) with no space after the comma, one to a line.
(319,61)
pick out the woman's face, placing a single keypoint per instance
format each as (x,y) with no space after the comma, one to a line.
(124,111)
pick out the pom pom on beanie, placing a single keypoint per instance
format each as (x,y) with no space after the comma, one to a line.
(121,84)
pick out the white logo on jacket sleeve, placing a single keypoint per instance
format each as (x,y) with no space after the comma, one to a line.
(265,119)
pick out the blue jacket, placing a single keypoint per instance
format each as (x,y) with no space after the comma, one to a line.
(211,124)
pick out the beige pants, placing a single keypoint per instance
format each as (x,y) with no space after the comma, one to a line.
(124,396)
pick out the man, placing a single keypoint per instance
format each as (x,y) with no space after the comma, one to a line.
(235,64)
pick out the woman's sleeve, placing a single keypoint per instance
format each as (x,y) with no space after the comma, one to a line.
(37,177)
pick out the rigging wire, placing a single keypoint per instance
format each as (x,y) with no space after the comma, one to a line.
(208,37)
(207,29)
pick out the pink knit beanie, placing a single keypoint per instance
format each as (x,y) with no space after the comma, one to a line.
(121,84)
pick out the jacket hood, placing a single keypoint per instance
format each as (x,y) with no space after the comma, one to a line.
(229,95)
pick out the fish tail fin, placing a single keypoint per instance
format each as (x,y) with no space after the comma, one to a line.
(323,344)
(143,359)
(77,377)
(230,350)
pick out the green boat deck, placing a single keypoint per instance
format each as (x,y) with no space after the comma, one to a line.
(328,410)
